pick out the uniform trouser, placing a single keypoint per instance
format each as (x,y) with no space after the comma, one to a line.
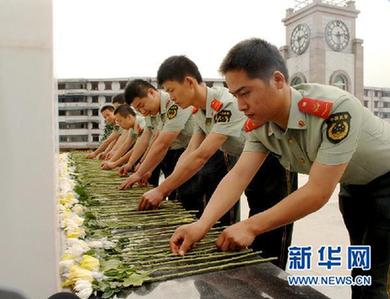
(211,174)
(190,193)
(270,185)
(366,213)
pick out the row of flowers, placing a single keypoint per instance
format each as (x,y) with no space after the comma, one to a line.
(78,268)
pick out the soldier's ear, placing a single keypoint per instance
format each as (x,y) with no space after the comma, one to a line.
(189,81)
(278,79)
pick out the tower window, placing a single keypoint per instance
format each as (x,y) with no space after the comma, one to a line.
(340,79)
(298,78)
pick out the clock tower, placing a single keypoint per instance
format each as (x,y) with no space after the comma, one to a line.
(321,45)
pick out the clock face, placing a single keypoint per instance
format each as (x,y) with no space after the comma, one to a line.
(300,38)
(337,35)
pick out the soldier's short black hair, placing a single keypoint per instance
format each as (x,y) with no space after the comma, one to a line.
(176,68)
(257,57)
(136,88)
(107,107)
(119,98)
(124,111)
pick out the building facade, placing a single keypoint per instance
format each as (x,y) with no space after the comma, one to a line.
(80,124)
(321,47)
(321,44)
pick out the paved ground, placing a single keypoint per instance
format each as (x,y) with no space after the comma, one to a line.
(324,227)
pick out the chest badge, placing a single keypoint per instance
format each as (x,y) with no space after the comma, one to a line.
(338,126)
(223,116)
(172,111)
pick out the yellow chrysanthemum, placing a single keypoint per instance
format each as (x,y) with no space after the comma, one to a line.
(78,273)
(90,263)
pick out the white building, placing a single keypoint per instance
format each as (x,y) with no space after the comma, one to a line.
(79,100)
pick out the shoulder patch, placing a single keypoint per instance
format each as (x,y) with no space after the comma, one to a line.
(216,105)
(315,107)
(249,125)
(172,111)
(194,109)
(338,126)
(223,116)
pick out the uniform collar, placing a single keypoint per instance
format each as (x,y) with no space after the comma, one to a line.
(296,119)
(209,98)
(164,101)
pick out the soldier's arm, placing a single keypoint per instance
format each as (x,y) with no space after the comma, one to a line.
(195,141)
(140,147)
(157,151)
(192,163)
(113,136)
(110,147)
(123,160)
(223,199)
(127,143)
(307,199)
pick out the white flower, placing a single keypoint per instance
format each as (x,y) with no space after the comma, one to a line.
(78,209)
(83,289)
(65,265)
(76,247)
(102,243)
(98,275)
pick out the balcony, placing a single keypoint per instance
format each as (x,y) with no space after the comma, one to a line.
(80,105)
(79,118)
(69,132)
(78,145)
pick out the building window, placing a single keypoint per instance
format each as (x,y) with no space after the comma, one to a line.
(107,85)
(95,137)
(95,99)
(108,99)
(122,84)
(95,125)
(340,79)
(95,112)
(386,94)
(366,92)
(376,93)
(298,78)
(61,86)
(95,85)
(61,113)
(365,103)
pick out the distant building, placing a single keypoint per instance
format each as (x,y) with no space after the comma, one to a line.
(79,100)
(377,100)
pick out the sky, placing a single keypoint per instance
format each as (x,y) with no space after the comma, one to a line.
(129,38)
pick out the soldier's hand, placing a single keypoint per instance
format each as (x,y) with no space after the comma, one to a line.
(108,156)
(91,155)
(185,237)
(143,182)
(151,200)
(108,165)
(130,181)
(137,166)
(236,237)
(124,170)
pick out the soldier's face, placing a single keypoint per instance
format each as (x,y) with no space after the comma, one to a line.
(148,105)
(180,93)
(254,96)
(108,116)
(125,122)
